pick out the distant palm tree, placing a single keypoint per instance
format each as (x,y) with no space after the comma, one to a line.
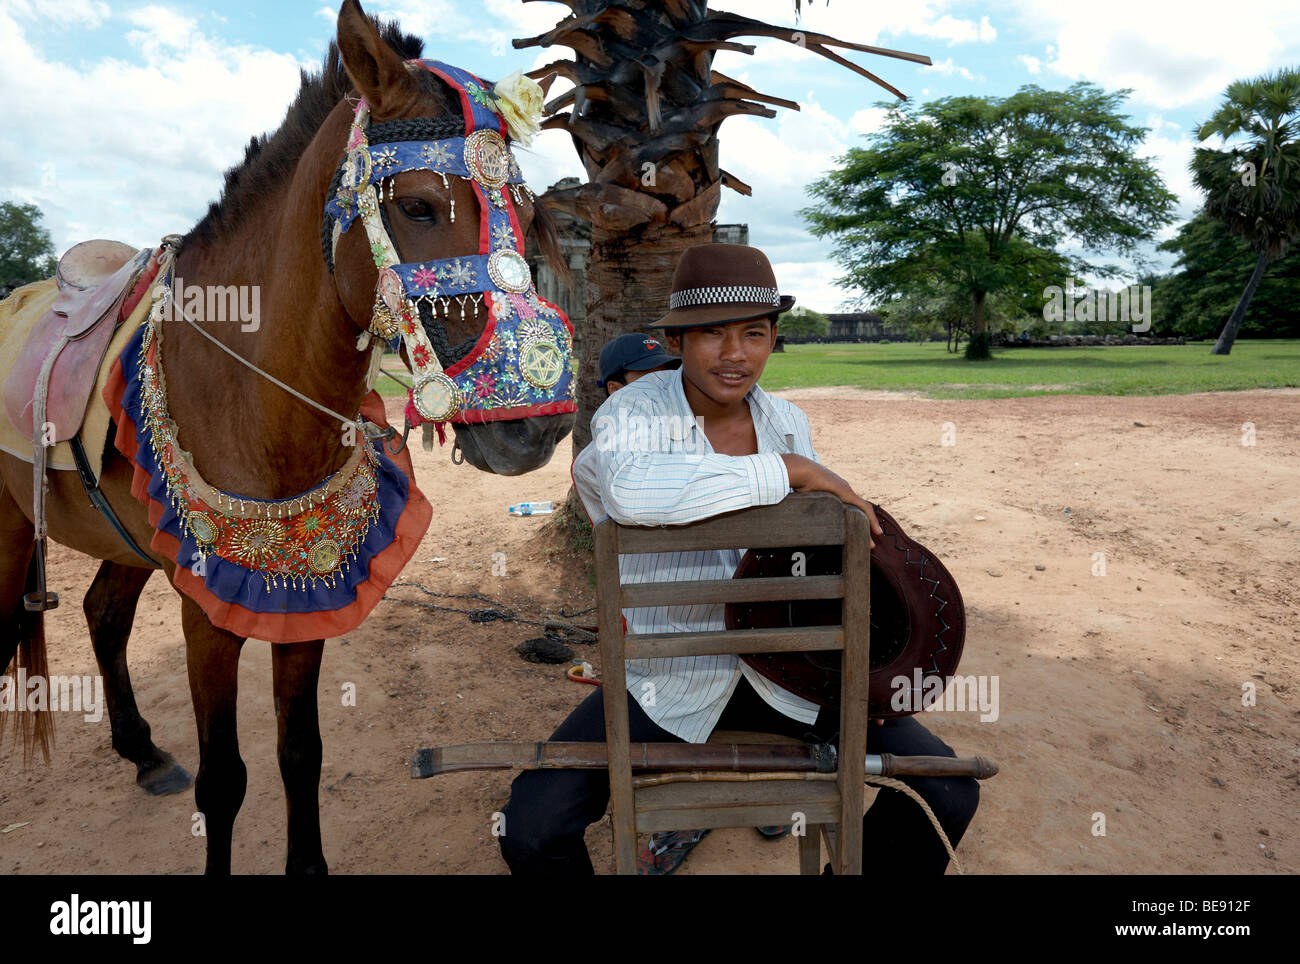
(1253,187)
(644,113)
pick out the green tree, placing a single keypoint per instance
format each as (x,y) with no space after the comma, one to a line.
(1214,267)
(805,323)
(1253,187)
(978,193)
(26,252)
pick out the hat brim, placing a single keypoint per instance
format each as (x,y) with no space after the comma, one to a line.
(654,361)
(682,318)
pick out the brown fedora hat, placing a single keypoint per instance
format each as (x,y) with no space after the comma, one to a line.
(918,621)
(717,283)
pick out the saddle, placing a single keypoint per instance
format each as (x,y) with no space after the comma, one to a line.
(100,282)
(50,383)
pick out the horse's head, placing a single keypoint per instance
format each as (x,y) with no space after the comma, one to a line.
(437,262)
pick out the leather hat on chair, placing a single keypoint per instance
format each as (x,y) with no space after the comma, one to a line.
(918,620)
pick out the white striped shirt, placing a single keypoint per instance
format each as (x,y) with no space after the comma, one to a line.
(670,476)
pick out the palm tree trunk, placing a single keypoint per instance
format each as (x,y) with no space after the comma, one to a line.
(629,278)
(1229,334)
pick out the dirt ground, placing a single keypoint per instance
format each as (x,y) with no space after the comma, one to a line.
(1120,694)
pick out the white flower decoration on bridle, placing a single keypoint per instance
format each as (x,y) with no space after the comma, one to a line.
(519,101)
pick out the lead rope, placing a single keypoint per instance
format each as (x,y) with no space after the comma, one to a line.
(343,420)
(943,837)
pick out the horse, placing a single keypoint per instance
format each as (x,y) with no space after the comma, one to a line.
(255,414)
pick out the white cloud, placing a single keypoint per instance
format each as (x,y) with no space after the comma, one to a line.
(777,158)
(957,31)
(1172,157)
(82,13)
(868,120)
(1032,64)
(948,68)
(134,149)
(1172,55)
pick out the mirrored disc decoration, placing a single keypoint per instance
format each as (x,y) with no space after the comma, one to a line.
(509,271)
(542,363)
(487,158)
(323,557)
(202,528)
(436,397)
(391,290)
(356,172)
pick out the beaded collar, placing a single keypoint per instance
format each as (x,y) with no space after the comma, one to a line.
(292,543)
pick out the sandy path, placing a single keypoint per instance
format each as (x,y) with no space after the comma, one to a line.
(1119,694)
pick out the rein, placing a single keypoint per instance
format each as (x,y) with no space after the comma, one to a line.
(168,258)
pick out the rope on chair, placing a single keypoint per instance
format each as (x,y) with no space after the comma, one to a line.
(900,785)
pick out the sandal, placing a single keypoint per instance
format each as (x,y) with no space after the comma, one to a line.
(667,851)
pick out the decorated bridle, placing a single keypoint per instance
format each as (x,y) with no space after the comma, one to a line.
(519,365)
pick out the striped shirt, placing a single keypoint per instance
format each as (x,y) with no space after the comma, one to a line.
(649,463)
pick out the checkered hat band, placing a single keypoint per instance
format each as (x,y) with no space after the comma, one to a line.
(723,294)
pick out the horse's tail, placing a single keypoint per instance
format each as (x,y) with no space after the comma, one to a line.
(34,727)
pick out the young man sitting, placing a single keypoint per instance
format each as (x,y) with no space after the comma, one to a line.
(708,440)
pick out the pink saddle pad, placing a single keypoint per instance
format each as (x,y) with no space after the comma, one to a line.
(88,319)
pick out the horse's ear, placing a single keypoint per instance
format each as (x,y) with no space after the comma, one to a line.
(375,68)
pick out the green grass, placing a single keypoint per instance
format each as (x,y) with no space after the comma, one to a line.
(386,386)
(1117,370)
(1015,372)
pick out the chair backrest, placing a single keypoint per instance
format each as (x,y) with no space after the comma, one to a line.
(801,519)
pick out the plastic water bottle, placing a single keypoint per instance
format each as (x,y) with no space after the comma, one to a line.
(533,508)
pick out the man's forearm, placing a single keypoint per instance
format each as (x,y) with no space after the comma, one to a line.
(675,488)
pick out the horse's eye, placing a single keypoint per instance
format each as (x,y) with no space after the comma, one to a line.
(416,209)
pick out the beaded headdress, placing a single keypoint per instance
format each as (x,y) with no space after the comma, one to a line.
(519,366)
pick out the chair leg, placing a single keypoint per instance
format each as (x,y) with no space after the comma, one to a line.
(810,850)
(828,831)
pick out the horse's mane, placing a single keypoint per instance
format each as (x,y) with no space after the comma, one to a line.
(269,160)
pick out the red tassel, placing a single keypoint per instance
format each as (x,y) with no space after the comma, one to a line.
(441,428)
(412,414)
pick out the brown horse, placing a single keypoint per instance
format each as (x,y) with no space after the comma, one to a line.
(246,435)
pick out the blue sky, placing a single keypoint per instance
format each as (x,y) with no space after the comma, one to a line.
(122,116)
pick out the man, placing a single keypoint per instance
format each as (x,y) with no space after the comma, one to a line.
(628,357)
(674,447)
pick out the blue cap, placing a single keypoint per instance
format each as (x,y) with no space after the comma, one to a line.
(633,353)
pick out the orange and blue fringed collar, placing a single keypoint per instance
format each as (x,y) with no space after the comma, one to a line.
(287,570)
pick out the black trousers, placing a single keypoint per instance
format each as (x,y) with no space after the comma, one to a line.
(549,810)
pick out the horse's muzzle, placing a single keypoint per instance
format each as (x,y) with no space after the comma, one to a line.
(516,446)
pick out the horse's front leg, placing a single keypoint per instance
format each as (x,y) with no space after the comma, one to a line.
(297,673)
(213,658)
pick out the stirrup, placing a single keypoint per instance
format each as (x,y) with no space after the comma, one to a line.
(40,601)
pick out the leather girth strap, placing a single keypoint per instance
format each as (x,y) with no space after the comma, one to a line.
(100,501)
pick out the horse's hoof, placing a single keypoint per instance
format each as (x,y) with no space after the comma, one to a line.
(160,781)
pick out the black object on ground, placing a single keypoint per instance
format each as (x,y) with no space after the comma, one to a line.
(544,649)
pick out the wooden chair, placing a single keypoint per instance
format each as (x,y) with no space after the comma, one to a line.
(831,808)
